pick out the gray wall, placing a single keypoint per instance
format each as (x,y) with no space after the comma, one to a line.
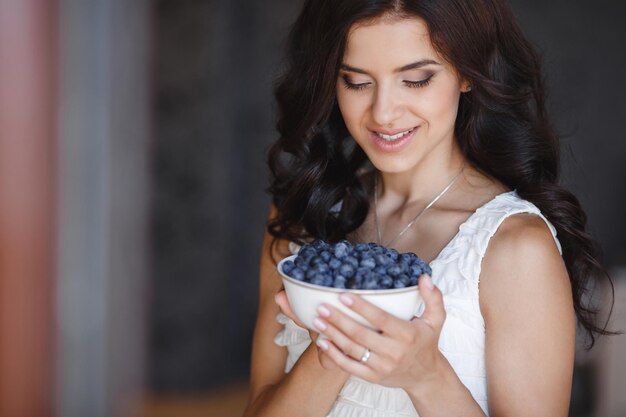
(215,64)
(103,184)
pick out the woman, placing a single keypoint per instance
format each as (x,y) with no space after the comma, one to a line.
(421,125)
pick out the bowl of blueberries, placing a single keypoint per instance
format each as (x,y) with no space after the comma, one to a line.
(320,271)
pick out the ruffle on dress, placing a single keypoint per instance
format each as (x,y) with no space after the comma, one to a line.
(470,244)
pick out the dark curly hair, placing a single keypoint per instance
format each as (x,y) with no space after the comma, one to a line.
(502,127)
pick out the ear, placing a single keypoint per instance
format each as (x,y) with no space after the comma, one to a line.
(466,87)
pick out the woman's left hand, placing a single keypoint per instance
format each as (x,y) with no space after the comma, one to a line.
(402,354)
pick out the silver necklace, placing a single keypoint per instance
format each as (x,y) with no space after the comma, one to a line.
(414,218)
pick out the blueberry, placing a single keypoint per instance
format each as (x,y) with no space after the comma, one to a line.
(368,263)
(386,282)
(322,268)
(316,260)
(381,259)
(419,262)
(300,262)
(347,270)
(401,281)
(325,255)
(352,261)
(288,266)
(380,270)
(428,270)
(360,247)
(415,270)
(394,270)
(404,267)
(340,281)
(370,283)
(310,273)
(379,250)
(367,253)
(392,254)
(362,270)
(298,274)
(323,280)
(320,245)
(334,263)
(307,252)
(405,258)
(412,280)
(341,249)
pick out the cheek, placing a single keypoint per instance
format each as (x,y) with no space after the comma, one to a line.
(351,106)
(439,105)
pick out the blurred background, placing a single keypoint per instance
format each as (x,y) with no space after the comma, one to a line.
(132,174)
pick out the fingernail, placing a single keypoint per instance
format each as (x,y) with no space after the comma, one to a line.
(425,280)
(323,344)
(319,324)
(324,312)
(346,299)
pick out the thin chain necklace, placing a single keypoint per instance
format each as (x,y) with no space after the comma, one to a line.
(414,218)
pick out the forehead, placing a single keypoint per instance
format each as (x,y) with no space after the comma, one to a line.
(394,41)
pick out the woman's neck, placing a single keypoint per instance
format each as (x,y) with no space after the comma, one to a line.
(427,179)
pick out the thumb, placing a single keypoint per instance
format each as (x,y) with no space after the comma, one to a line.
(283,304)
(434,311)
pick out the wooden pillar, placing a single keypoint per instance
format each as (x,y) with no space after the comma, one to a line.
(27,206)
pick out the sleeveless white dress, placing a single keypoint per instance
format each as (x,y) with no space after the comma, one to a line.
(456,272)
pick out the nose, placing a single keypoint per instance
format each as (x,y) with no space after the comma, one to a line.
(387,106)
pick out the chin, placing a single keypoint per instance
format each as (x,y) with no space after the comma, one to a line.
(391,165)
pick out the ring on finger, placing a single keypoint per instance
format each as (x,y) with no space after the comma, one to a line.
(366,356)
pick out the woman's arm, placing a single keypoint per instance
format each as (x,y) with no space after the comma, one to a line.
(526,300)
(309,389)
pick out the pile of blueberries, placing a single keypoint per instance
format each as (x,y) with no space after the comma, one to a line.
(363,266)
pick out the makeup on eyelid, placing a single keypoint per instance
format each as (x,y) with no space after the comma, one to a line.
(355,85)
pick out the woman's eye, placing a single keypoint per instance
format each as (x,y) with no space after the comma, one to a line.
(353,86)
(418,84)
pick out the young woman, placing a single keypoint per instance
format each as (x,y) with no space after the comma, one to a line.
(421,125)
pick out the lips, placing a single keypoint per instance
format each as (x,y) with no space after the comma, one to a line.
(390,137)
(392,140)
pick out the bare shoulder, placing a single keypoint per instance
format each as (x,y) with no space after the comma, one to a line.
(522,256)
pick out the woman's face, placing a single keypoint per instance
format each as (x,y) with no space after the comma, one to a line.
(397,96)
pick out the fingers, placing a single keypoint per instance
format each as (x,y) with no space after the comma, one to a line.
(434,312)
(283,303)
(349,335)
(353,367)
(379,318)
(350,342)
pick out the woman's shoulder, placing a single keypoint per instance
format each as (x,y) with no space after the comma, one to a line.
(521,257)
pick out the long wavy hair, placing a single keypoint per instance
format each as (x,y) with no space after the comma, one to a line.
(502,127)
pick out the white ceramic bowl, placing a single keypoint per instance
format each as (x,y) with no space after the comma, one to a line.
(304,299)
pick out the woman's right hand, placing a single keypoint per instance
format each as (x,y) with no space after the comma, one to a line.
(283,303)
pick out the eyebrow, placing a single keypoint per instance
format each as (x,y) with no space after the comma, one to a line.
(414,65)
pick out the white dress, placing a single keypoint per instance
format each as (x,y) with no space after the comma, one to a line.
(456,272)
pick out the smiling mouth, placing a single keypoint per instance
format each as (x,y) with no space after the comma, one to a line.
(393,138)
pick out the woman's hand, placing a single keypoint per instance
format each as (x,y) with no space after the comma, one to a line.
(283,303)
(402,354)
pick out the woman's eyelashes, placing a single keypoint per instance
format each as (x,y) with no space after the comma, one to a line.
(352,85)
(347,83)
(418,84)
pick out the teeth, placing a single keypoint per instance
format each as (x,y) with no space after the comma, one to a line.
(391,138)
